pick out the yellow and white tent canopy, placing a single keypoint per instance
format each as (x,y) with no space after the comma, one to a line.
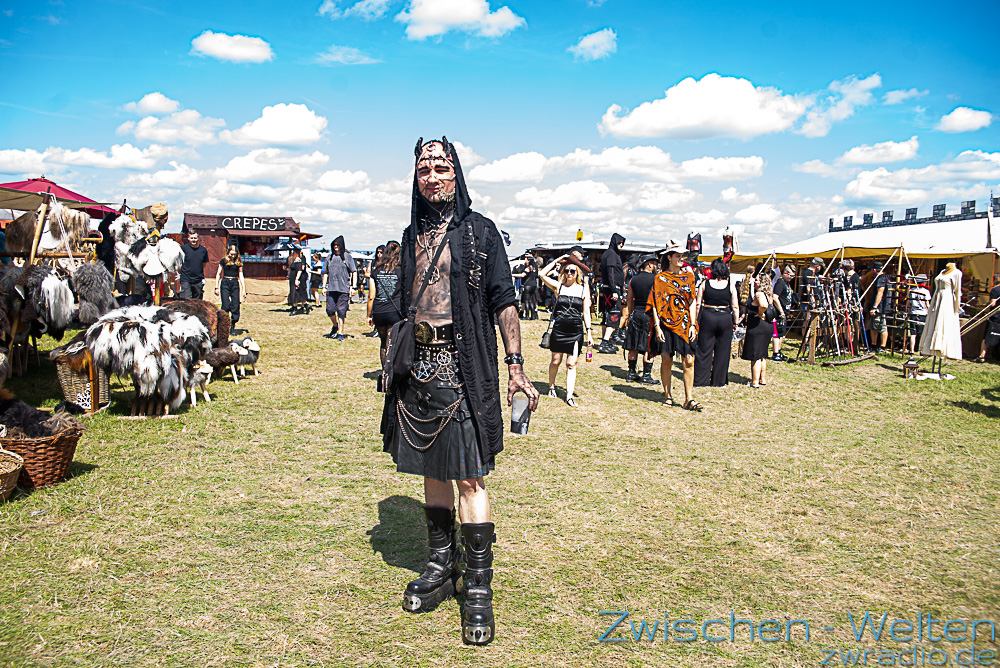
(971,240)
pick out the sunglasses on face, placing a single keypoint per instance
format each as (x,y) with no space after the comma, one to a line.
(571,272)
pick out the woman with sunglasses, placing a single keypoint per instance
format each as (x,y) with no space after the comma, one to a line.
(570,321)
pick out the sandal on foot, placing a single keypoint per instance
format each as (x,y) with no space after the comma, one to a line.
(693,405)
(552,391)
(670,401)
(979,360)
(571,403)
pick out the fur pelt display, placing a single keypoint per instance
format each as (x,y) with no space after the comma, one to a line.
(217,321)
(150,260)
(23,421)
(93,286)
(48,300)
(73,353)
(65,228)
(21,232)
(156,347)
(226,357)
(126,230)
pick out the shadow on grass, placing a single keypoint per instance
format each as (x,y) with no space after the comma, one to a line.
(400,535)
(615,371)
(991,393)
(983,409)
(640,392)
(79,469)
(371,375)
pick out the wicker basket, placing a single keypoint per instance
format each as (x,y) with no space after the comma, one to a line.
(76,386)
(46,460)
(11,464)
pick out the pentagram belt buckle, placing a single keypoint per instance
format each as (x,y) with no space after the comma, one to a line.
(423,332)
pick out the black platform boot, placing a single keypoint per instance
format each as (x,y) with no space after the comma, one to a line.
(437,582)
(477,613)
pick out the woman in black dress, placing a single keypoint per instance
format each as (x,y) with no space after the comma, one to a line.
(570,321)
(758,333)
(296,268)
(385,291)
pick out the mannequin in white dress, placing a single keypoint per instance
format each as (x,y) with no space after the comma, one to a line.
(941,337)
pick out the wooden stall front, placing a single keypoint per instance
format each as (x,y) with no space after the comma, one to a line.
(251,234)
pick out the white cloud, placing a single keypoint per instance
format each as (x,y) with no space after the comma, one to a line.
(187,126)
(431,18)
(179,176)
(120,156)
(28,161)
(529,166)
(234,48)
(337,179)
(344,55)
(817,167)
(964,119)
(969,175)
(733,195)
(886,151)
(331,9)
(243,193)
(661,196)
(154,103)
(757,213)
(368,10)
(272,166)
(358,200)
(650,162)
(848,95)
(723,169)
(715,106)
(900,96)
(466,155)
(590,195)
(281,125)
(596,45)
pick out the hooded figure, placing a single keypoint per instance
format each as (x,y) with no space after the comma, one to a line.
(341,274)
(612,292)
(443,421)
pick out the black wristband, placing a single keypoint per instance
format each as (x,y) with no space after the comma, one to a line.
(513,358)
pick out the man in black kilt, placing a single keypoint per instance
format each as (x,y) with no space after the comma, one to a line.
(443,421)
(636,322)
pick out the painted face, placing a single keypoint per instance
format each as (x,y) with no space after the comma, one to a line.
(435,174)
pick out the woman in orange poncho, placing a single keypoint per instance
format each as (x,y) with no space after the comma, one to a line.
(671,306)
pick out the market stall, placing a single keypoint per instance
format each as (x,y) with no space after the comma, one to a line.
(252,235)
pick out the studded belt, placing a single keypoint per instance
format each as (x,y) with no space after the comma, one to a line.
(436,361)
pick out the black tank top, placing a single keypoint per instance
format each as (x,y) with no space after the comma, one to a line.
(714,297)
(229,270)
(641,284)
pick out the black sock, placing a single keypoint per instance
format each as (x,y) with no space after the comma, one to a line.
(647,368)
(631,365)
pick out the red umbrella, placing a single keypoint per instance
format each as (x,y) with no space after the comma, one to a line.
(9,200)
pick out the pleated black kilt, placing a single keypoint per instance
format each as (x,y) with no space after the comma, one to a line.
(674,343)
(637,334)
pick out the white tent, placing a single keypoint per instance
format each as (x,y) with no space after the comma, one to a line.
(971,240)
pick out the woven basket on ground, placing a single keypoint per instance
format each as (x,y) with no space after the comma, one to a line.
(76,386)
(11,464)
(46,460)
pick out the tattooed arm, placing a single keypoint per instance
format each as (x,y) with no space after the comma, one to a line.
(510,332)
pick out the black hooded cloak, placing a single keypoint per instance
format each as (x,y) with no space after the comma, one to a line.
(612,272)
(481,286)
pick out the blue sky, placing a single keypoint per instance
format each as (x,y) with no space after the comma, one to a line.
(651,119)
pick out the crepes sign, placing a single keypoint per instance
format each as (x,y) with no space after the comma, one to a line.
(255,223)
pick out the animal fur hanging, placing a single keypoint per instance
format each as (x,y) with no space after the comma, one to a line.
(94,287)
(156,347)
(49,299)
(217,321)
(126,230)
(65,228)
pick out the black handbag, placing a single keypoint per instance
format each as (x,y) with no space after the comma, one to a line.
(401,343)
(547,336)
(770,314)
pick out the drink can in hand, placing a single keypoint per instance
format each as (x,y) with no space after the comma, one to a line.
(520,415)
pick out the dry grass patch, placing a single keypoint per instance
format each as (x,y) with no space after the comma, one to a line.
(268,528)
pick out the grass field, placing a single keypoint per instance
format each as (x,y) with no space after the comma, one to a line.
(268,528)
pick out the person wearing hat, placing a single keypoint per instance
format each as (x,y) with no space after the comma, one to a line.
(635,322)
(672,308)
(917,301)
(160,214)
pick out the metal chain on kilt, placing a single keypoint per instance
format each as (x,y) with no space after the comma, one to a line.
(404,415)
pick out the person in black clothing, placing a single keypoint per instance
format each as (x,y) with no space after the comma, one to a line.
(296,268)
(385,290)
(612,289)
(529,289)
(717,312)
(230,284)
(570,322)
(635,322)
(758,332)
(991,337)
(782,293)
(443,421)
(192,274)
